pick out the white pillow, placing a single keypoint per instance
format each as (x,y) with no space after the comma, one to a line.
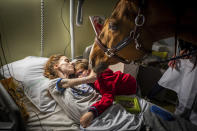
(30,72)
(15,69)
(18,68)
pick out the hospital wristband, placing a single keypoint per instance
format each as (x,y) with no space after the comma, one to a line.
(57,85)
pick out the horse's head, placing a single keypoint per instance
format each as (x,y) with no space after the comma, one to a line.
(118,32)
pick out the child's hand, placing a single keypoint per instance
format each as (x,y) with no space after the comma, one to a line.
(86,119)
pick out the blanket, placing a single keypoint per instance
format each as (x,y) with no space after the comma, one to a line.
(114,118)
(72,105)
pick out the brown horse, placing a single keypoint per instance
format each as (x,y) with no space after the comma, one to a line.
(135,24)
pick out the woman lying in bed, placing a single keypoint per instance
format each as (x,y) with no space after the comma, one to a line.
(108,84)
(52,110)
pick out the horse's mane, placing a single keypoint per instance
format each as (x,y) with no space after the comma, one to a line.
(115,5)
(178,6)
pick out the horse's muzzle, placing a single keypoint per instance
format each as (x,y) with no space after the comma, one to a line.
(100,67)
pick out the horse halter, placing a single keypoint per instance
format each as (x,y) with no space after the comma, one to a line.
(133,35)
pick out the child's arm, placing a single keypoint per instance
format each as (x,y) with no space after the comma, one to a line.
(96,109)
(65,83)
(86,119)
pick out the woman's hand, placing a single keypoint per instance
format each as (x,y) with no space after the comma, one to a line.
(86,119)
(92,77)
(66,83)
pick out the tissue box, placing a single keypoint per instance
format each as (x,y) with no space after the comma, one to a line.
(131,104)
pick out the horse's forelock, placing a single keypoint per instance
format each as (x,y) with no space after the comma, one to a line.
(116,11)
(125,8)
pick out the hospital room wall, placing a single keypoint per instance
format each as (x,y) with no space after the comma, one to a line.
(20,27)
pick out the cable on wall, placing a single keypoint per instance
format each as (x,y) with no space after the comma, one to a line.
(42,28)
(72,29)
(68,41)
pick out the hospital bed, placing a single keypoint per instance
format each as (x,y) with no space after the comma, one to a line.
(45,114)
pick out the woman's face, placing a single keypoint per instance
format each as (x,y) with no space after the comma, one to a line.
(65,66)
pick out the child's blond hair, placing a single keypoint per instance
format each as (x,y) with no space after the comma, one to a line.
(81,64)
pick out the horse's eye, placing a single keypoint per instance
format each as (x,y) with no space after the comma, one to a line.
(113,26)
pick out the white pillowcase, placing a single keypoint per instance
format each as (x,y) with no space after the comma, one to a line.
(30,72)
(16,69)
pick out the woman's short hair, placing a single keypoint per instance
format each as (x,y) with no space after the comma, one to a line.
(49,71)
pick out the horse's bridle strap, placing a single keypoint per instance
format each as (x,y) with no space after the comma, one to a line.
(123,43)
(110,52)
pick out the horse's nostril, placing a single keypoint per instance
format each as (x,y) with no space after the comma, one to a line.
(100,67)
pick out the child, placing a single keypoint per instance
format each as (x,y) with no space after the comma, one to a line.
(81,70)
(108,84)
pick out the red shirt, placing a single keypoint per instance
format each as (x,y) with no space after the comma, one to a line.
(110,84)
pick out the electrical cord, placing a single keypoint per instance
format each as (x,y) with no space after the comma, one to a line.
(2,67)
(67,43)
(4,54)
(8,68)
(38,119)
